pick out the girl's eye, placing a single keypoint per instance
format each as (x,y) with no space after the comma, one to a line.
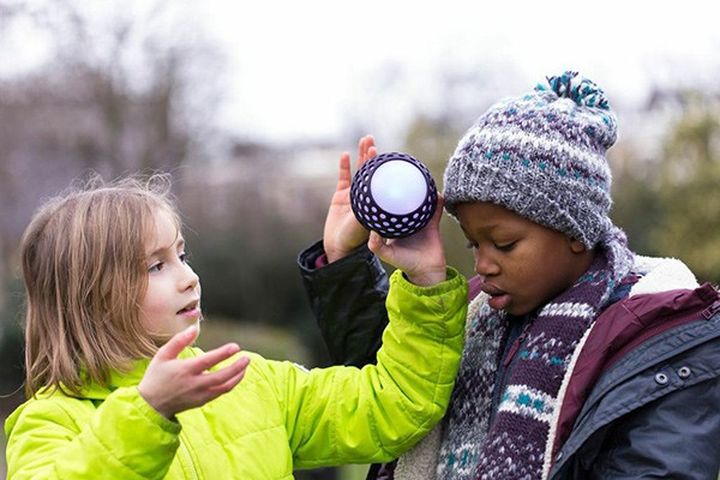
(471,244)
(156,267)
(184,257)
(505,247)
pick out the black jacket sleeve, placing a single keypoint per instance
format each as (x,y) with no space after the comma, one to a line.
(674,437)
(347,298)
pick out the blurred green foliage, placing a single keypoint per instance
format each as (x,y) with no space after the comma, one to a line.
(672,208)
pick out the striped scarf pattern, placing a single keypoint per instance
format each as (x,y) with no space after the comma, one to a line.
(513,443)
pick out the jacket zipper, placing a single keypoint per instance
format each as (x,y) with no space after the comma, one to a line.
(513,349)
(517,343)
(186,460)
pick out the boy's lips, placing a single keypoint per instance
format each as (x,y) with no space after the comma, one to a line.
(491,289)
(499,299)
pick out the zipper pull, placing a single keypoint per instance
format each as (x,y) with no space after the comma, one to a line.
(710,311)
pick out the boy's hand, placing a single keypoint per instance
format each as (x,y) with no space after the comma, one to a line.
(420,256)
(171,385)
(343,233)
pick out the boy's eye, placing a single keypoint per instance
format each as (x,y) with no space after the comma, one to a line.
(505,247)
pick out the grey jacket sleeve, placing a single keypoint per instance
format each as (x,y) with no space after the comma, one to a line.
(347,298)
(674,437)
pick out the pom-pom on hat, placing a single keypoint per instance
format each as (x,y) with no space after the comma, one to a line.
(541,155)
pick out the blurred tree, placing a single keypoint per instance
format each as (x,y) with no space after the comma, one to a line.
(124,91)
(127,86)
(636,208)
(672,207)
(250,227)
(689,188)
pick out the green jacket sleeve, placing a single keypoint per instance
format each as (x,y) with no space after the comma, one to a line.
(47,443)
(348,415)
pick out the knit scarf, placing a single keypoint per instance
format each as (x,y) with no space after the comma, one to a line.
(516,442)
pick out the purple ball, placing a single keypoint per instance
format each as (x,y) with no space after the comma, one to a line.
(393,194)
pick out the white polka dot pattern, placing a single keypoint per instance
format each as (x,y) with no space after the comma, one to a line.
(389,224)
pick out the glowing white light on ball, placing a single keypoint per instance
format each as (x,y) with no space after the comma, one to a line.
(398,187)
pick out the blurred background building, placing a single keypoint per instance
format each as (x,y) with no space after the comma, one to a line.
(249,108)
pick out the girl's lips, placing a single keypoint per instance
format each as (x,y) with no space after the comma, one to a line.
(190,312)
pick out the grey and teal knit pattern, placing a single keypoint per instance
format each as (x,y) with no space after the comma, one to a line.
(541,155)
(518,442)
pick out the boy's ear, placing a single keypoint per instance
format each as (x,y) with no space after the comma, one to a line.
(576,246)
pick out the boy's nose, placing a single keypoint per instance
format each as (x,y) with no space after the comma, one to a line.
(484,264)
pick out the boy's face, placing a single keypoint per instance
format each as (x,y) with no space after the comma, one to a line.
(172,299)
(524,264)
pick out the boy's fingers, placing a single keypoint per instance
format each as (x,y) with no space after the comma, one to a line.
(363,145)
(177,343)
(361,152)
(369,148)
(211,358)
(344,172)
(372,152)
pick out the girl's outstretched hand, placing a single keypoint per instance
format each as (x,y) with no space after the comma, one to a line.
(171,385)
(343,233)
(421,255)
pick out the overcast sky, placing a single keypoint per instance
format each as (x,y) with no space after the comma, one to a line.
(299,69)
(301,64)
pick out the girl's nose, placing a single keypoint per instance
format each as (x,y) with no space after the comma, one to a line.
(190,279)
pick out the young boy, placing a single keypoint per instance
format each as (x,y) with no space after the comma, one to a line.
(583,360)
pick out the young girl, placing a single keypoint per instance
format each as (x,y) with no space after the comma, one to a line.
(582,360)
(117,392)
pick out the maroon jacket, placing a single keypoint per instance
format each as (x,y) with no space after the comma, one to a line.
(647,375)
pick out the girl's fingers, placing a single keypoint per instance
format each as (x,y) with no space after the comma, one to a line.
(211,358)
(437,216)
(376,244)
(228,385)
(177,343)
(214,379)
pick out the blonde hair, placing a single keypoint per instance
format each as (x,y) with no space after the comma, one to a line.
(84,268)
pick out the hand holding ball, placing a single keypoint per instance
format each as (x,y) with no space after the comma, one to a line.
(393,194)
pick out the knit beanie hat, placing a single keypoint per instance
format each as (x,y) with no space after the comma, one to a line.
(541,155)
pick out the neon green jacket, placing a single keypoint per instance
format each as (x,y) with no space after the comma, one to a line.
(279,417)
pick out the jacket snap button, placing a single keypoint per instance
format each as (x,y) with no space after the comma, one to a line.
(683,372)
(558,457)
(661,378)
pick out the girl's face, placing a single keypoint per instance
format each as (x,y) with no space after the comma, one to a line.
(172,299)
(524,264)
